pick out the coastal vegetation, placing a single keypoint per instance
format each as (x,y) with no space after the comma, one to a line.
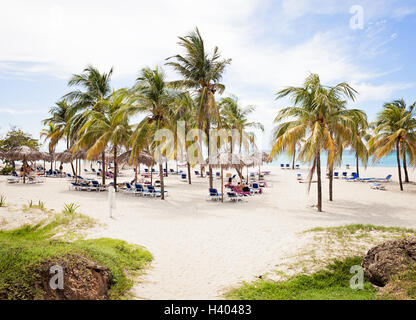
(27,249)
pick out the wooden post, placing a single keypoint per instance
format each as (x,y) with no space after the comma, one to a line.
(24,170)
(222,185)
(135,175)
(76,170)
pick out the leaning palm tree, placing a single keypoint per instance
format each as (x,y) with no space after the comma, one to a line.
(395,128)
(201,73)
(60,117)
(359,142)
(152,97)
(235,118)
(51,133)
(313,117)
(104,127)
(96,87)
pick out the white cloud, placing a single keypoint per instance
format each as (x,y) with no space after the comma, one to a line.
(60,38)
(17,111)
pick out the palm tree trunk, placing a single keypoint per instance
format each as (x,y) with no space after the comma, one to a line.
(162,183)
(115,168)
(24,170)
(189,173)
(398,164)
(406,174)
(135,175)
(103,167)
(211,181)
(167,174)
(318,174)
(357,164)
(331,182)
(151,175)
(293,159)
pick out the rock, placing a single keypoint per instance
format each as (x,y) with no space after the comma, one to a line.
(388,259)
(83,279)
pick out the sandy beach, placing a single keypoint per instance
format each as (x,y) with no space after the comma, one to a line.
(200,247)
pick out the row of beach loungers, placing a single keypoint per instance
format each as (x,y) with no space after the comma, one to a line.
(288,166)
(234,194)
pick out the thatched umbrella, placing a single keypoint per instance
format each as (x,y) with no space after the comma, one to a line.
(259,159)
(144,157)
(1,155)
(225,160)
(25,154)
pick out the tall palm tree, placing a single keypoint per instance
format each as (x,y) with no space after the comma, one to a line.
(96,87)
(395,128)
(104,127)
(202,73)
(313,117)
(151,96)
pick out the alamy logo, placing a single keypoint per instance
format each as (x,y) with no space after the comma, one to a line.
(57,281)
(357,20)
(357,281)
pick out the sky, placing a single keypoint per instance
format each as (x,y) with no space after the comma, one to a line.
(273,44)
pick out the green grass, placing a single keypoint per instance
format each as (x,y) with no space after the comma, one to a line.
(23,251)
(354,228)
(2,200)
(331,283)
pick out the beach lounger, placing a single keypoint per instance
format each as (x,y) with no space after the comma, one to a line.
(75,185)
(287,166)
(386,179)
(218,175)
(299,177)
(344,175)
(214,195)
(354,178)
(297,166)
(13,180)
(256,188)
(232,196)
(183,177)
(282,166)
(336,175)
(377,186)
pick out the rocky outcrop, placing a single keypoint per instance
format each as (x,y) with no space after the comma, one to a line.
(82,279)
(388,259)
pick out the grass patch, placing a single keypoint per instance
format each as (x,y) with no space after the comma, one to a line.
(2,200)
(355,228)
(23,250)
(331,283)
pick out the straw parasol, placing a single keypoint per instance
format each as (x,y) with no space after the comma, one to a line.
(1,154)
(144,157)
(65,157)
(260,158)
(25,154)
(226,160)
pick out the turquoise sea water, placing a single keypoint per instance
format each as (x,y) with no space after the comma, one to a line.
(347,158)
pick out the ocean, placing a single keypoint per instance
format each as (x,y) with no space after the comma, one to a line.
(347,158)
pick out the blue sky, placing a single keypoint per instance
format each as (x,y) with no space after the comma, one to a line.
(273,44)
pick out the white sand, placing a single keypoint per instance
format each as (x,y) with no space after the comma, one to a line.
(201,248)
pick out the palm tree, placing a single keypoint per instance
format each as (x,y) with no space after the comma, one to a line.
(60,118)
(359,142)
(97,88)
(104,127)
(51,133)
(152,97)
(235,117)
(313,119)
(395,128)
(202,73)
(342,124)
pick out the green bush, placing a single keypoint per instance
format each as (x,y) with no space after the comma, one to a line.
(6,170)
